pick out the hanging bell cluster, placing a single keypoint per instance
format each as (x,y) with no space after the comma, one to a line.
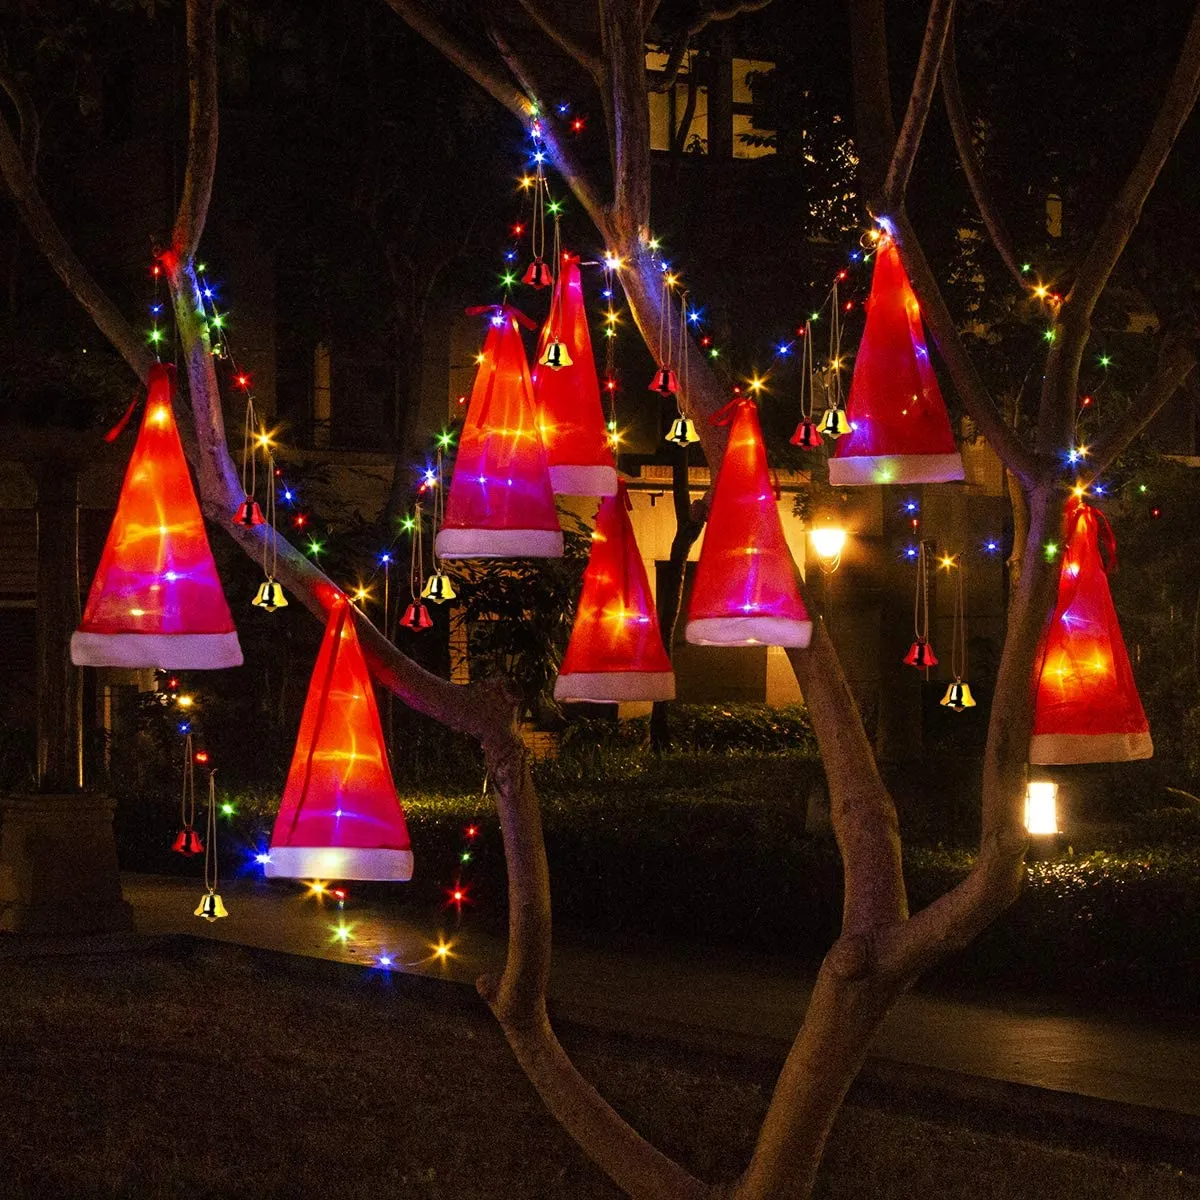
(187,841)
(270,595)
(538,275)
(834,423)
(682,432)
(438,589)
(556,356)
(665,381)
(958,697)
(806,435)
(416,617)
(211,907)
(921,655)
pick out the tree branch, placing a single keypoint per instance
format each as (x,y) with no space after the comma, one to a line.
(440,37)
(1126,208)
(588,59)
(625,59)
(904,154)
(1176,361)
(29,123)
(49,239)
(967,381)
(875,126)
(683,39)
(960,127)
(202,127)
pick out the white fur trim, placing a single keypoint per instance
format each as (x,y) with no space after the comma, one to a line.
(1049,749)
(568,480)
(167,651)
(601,687)
(749,631)
(338,862)
(855,470)
(500,543)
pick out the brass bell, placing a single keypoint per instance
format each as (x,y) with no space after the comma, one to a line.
(834,423)
(806,435)
(921,655)
(416,617)
(270,595)
(248,513)
(682,432)
(538,274)
(211,907)
(556,356)
(665,382)
(438,589)
(958,696)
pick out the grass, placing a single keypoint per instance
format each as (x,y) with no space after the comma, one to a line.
(217,1073)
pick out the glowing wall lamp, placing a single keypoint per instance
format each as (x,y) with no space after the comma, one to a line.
(828,542)
(1041,807)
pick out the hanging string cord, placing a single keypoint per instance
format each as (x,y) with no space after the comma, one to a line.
(541,198)
(187,803)
(958,652)
(681,397)
(438,512)
(210,841)
(610,350)
(835,347)
(416,564)
(921,597)
(665,337)
(270,537)
(250,429)
(806,376)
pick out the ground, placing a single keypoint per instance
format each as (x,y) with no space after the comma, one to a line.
(192,1069)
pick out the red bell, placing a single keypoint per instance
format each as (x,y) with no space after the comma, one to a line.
(921,655)
(187,841)
(806,436)
(248,513)
(416,617)
(665,382)
(538,274)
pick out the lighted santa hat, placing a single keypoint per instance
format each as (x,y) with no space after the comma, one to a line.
(616,649)
(567,396)
(340,816)
(501,502)
(156,600)
(899,428)
(1087,707)
(745,591)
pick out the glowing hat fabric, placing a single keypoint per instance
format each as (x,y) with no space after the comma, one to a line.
(745,591)
(156,600)
(900,430)
(1087,707)
(616,649)
(340,817)
(567,398)
(501,502)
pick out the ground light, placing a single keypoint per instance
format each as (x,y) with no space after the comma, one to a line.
(1041,807)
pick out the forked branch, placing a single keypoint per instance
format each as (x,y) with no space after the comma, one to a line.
(570,45)
(202,127)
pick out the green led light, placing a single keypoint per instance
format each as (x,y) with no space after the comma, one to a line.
(445,438)
(201,268)
(217,321)
(1142,488)
(315,548)
(466,856)
(155,336)
(1051,550)
(408,524)
(815,317)
(554,208)
(227,809)
(1105,360)
(1050,335)
(714,352)
(341,933)
(508,279)
(1026,268)
(609,331)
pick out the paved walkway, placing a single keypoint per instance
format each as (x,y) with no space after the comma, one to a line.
(711,998)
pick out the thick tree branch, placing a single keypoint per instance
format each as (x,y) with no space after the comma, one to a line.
(1126,208)
(41,226)
(588,59)
(625,63)
(904,154)
(960,127)
(1176,361)
(442,38)
(967,381)
(202,126)
(29,123)
(874,125)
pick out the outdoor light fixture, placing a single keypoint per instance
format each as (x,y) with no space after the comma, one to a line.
(1041,807)
(828,542)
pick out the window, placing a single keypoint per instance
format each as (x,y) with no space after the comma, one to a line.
(751,84)
(668,110)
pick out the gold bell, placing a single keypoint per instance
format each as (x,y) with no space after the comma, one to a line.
(834,423)
(211,908)
(438,589)
(555,356)
(682,432)
(958,696)
(270,595)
